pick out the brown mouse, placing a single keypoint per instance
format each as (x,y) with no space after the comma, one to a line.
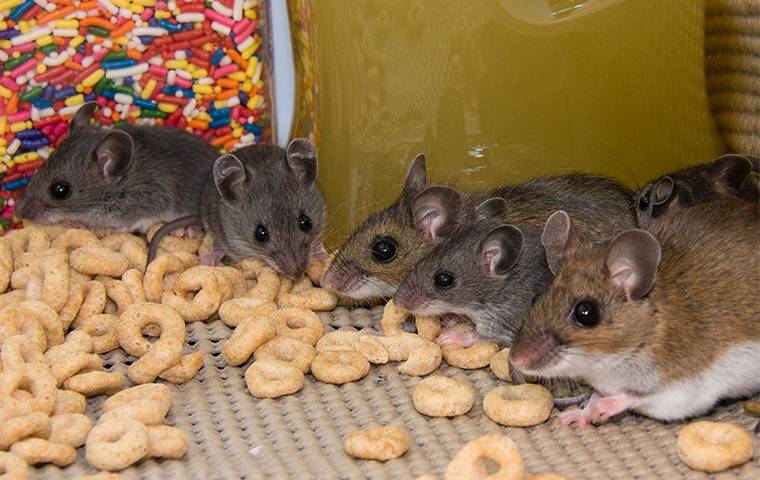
(663,322)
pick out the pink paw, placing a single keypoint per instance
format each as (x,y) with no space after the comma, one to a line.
(576,417)
(183,232)
(210,259)
(607,407)
(463,339)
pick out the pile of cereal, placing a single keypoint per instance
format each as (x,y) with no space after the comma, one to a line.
(186,64)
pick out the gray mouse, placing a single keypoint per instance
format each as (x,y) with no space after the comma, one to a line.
(262,202)
(730,175)
(124,179)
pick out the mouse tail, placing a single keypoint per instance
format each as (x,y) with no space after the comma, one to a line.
(176,224)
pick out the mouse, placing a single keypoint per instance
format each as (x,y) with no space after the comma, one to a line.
(262,202)
(662,322)
(123,179)
(378,255)
(730,175)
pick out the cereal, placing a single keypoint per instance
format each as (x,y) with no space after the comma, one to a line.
(316,270)
(235,278)
(18,351)
(185,369)
(102,330)
(92,384)
(400,345)
(94,301)
(133,248)
(269,378)
(500,365)
(157,356)
(149,403)
(713,446)
(338,341)
(234,311)
(381,443)
(14,429)
(70,429)
(205,302)
(53,276)
(372,348)
(72,356)
(267,282)
(34,319)
(172,244)
(286,349)
(298,323)
(97,260)
(133,280)
(752,407)
(116,442)
(310,298)
(422,360)
(73,303)
(393,319)
(247,337)
(439,396)
(74,238)
(33,377)
(31,239)
(12,297)
(166,442)
(339,367)
(6,264)
(13,466)
(157,270)
(469,464)
(37,450)
(428,327)
(475,356)
(69,401)
(118,292)
(518,405)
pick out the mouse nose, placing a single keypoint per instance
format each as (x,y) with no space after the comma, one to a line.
(29,209)
(531,352)
(292,265)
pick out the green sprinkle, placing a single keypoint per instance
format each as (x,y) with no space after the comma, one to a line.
(152,113)
(115,56)
(120,123)
(30,94)
(99,31)
(50,48)
(103,84)
(15,62)
(124,89)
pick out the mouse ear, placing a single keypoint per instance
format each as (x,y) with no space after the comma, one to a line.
(82,117)
(114,154)
(302,159)
(229,177)
(558,236)
(435,211)
(662,190)
(501,249)
(632,262)
(416,177)
(491,208)
(730,172)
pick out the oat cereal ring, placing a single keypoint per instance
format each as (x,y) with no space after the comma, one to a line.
(273,378)
(170,243)
(399,346)
(267,284)
(393,319)
(69,401)
(116,442)
(6,264)
(74,238)
(250,267)
(475,356)
(97,260)
(22,277)
(13,467)
(339,367)
(236,280)
(247,337)
(286,349)
(380,443)
(94,301)
(234,311)
(155,272)
(372,348)
(469,462)
(73,303)
(518,405)
(204,304)
(12,297)
(72,356)
(500,365)
(133,280)
(166,442)
(428,327)
(29,239)
(91,384)
(18,351)
(338,341)
(316,270)
(132,247)
(439,396)
(157,356)
(299,286)
(118,292)
(148,403)
(304,295)
(207,244)
(713,446)
(25,313)
(37,450)
(225,287)
(299,323)
(422,360)
(185,369)
(69,429)
(35,424)
(102,330)
(32,377)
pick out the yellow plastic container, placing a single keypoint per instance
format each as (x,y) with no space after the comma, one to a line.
(496,91)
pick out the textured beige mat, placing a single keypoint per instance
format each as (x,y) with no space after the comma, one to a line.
(234,435)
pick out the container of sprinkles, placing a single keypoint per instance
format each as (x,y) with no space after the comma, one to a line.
(195,65)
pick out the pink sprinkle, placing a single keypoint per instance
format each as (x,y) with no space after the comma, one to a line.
(147,14)
(158,71)
(218,17)
(101,101)
(23,48)
(78,57)
(60,127)
(226,70)
(183,82)
(20,116)
(102,53)
(24,68)
(240,38)
(240,26)
(9,84)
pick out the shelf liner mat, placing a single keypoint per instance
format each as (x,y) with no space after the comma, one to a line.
(234,435)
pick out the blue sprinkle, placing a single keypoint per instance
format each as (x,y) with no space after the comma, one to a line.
(64,93)
(20,183)
(47,93)
(217,56)
(8,33)
(170,89)
(90,97)
(188,93)
(221,113)
(128,80)
(172,27)
(116,64)
(253,128)
(142,103)
(152,22)
(35,143)
(19,11)
(30,134)
(188,53)
(109,94)
(219,123)
(146,39)
(40,103)
(243,98)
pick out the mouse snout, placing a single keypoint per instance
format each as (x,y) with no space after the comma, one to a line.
(533,351)
(29,209)
(408,298)
(292,265)
(341,276)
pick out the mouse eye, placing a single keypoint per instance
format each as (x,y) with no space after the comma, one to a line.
(304,223)
(384,250)
(261,234)
(586,313)
(644,202)
(444,280)
(60,190)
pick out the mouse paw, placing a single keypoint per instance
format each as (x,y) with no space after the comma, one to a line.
(463,339)
(211,258)
(605,408)
(187,232)
(579,418)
